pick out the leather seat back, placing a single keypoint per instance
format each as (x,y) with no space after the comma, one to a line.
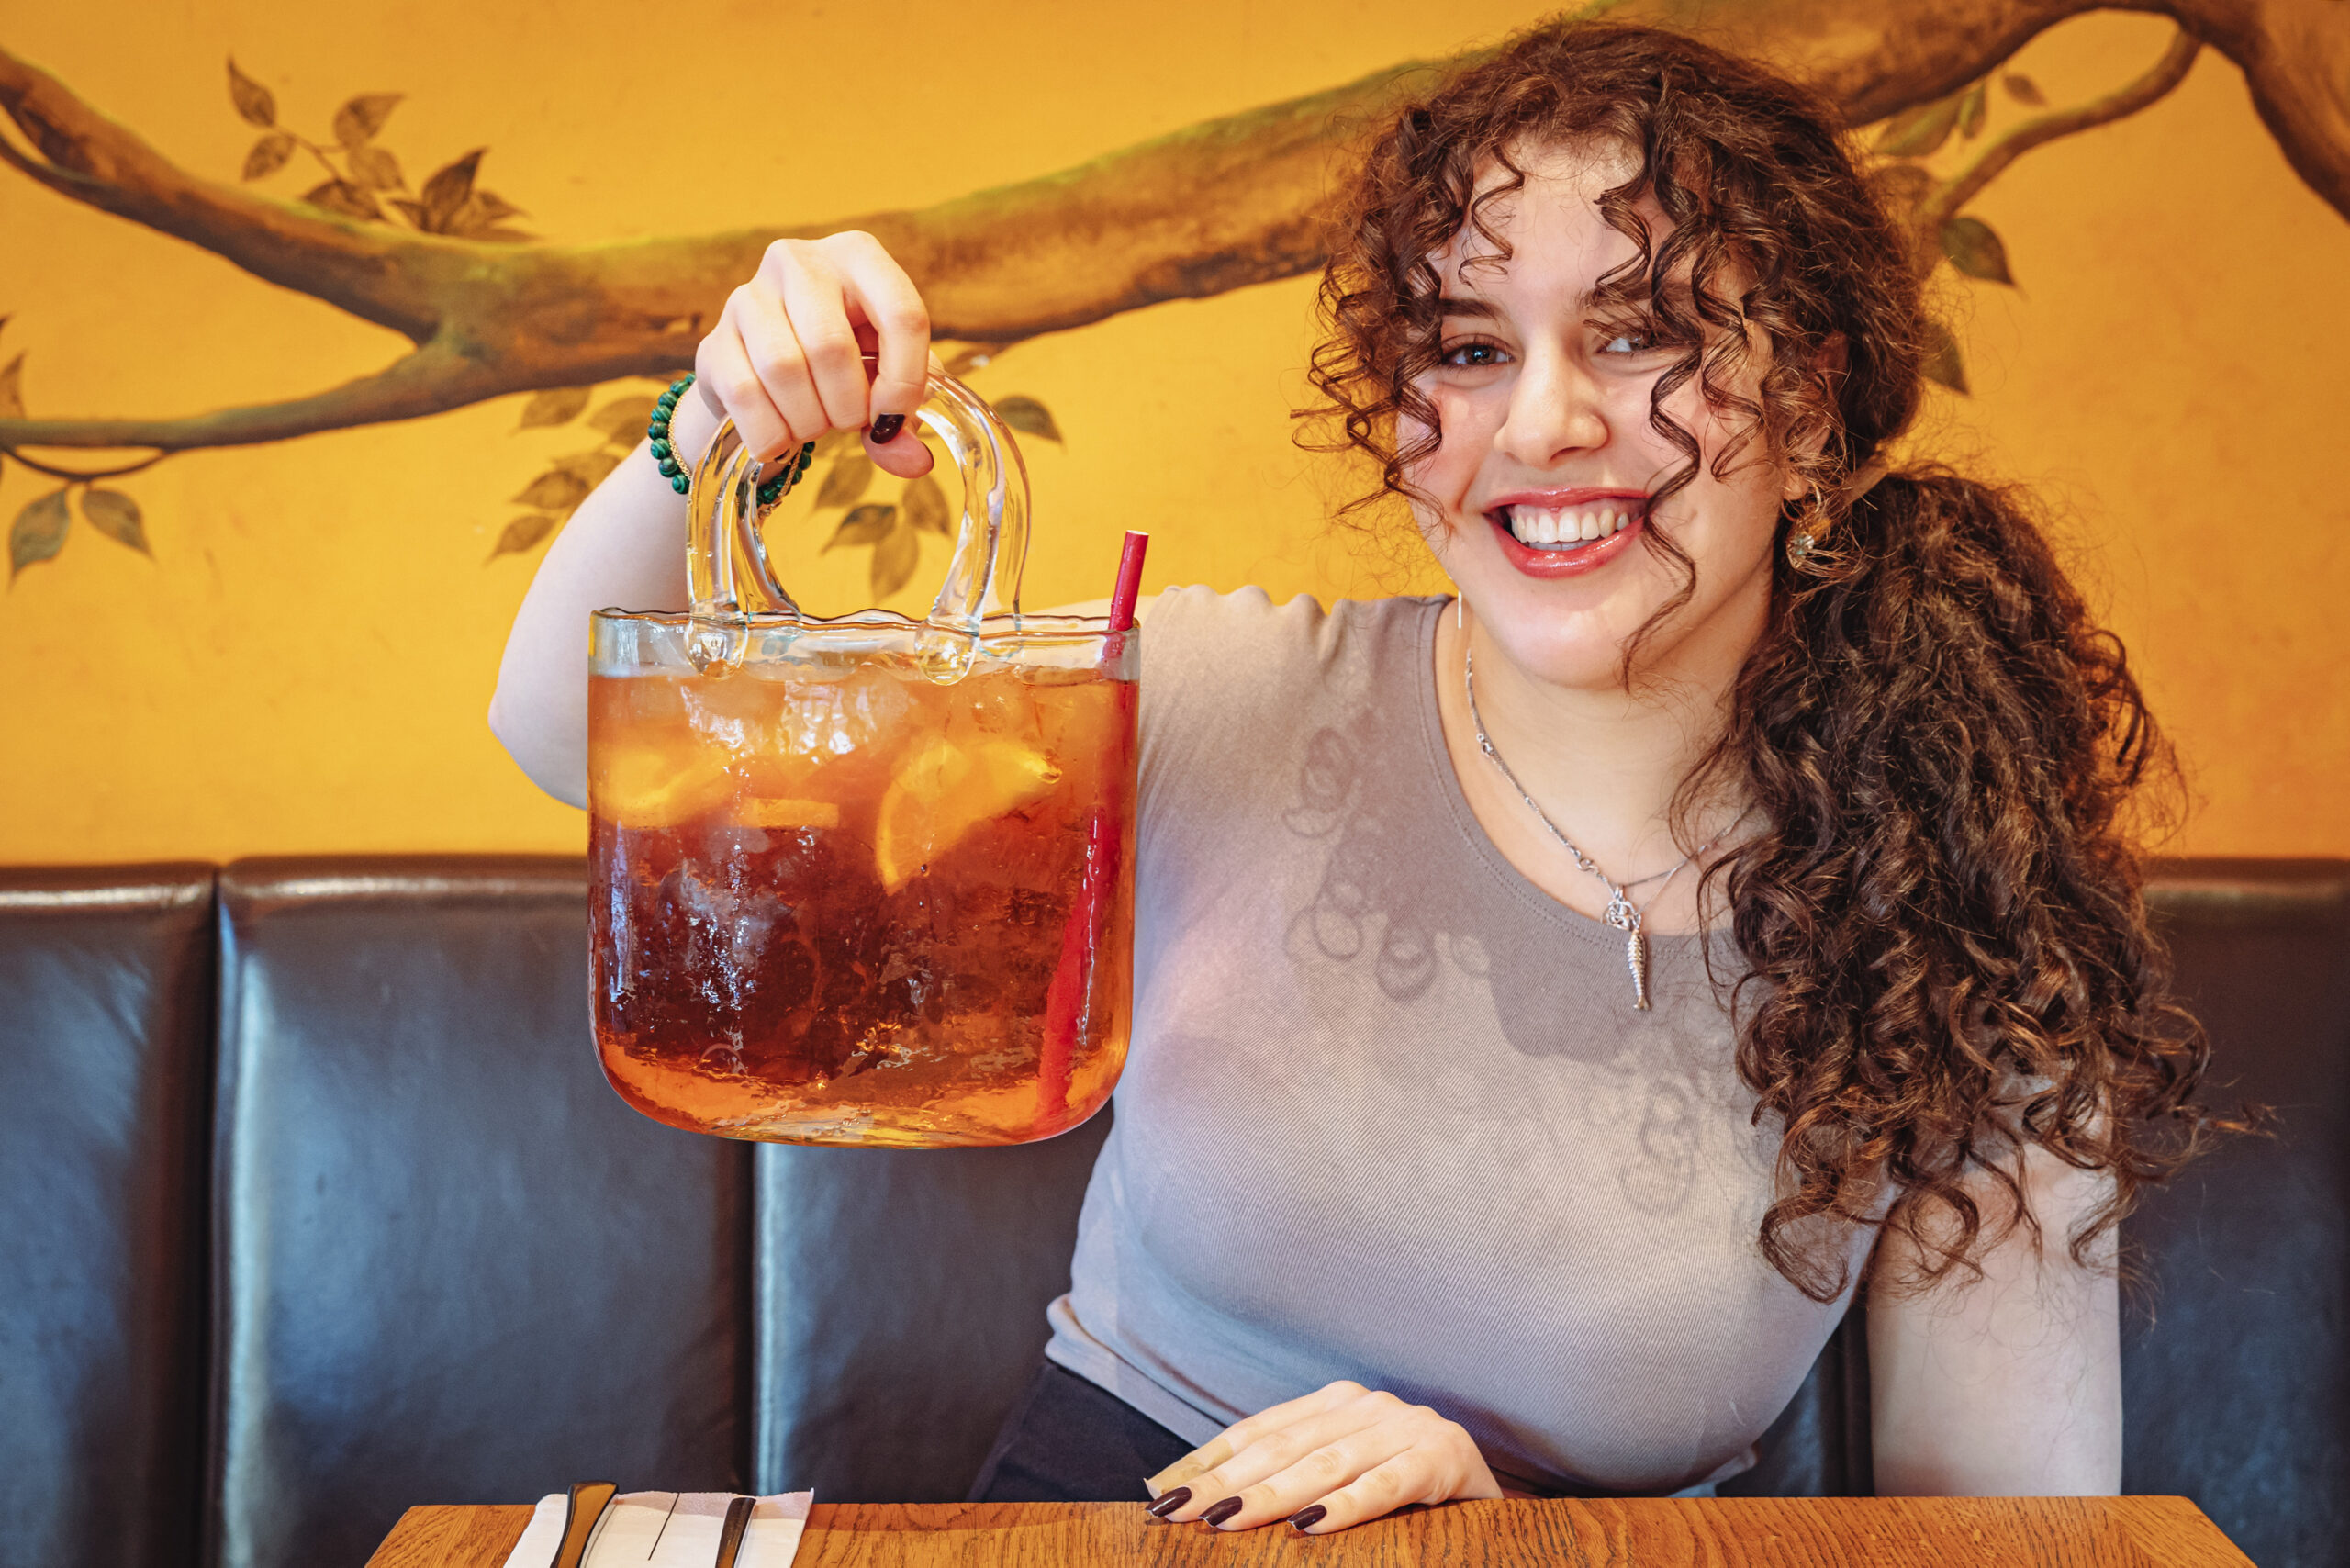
(2236,1352)
(449,1265)
(900,1306)
(106,1049)
(453,1265)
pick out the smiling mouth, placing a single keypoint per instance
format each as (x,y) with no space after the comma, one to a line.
(1564,529)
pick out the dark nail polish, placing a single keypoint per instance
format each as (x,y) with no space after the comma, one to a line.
(886,428)
(1219,1512)
(1306,1518)
(1170,1501)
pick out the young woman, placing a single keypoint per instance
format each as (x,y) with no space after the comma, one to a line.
(1554,1001)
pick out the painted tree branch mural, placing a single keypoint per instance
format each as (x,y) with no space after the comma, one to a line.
(1216,206)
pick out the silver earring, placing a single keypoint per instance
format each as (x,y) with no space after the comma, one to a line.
(1803,544)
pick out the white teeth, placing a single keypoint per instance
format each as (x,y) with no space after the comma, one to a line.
(1536,525)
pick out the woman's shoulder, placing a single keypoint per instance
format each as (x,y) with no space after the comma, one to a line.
(1231,634)
(1228,675)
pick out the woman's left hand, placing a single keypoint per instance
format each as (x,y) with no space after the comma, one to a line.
(1335,1458)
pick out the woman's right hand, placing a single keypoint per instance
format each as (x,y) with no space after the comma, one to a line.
(830,335)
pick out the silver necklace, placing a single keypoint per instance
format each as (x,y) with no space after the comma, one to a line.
(1623,915)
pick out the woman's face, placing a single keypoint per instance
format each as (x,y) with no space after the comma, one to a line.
(1548,459)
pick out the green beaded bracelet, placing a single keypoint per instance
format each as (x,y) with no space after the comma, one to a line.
(788,470)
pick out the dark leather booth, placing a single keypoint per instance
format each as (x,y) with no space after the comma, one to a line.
(315,1206)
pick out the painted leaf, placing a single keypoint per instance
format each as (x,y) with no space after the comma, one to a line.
(480,217)
(343,196)
(521,533)
(867,524)
(268,155)
(554,490)
(376,169)
(115,515)
(1972,109)
(2023,89)
(253,101)
(39,532)
(589,466)
(845,480)
(1919,132)
(1943,363)
(894,560)
(356,123)
(12,390)
(555,406)
(412,210)
(488,206)
(1030,418)
(623,420)
(925,505)
(1975,250)
(446,193)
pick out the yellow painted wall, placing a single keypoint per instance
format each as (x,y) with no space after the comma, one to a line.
(303,665)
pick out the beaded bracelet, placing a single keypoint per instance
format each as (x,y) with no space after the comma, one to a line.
(788,472)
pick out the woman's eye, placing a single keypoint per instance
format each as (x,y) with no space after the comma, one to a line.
(1475,355)
(1627,344)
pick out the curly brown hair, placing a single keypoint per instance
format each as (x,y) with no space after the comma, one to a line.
(1947,953)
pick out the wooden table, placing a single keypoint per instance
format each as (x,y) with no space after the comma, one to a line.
(1940,1532)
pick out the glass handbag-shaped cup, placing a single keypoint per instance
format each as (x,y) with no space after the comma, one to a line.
(869,879)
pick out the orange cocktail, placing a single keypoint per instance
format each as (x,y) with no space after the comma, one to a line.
(844,901)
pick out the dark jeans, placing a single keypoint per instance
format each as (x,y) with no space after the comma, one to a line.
(1070,1441)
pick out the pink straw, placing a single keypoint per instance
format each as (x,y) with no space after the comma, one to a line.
(1129,588)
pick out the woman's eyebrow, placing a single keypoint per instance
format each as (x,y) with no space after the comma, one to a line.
(1591,301)
(1468,305)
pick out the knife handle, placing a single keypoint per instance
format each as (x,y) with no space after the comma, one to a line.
(730,1536)
(589,1501)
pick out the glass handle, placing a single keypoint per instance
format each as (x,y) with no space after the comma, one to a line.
(726,556)
(992,543)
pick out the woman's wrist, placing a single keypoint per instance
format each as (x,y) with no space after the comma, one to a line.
(691,430)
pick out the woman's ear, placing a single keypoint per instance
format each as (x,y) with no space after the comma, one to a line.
(1828,363)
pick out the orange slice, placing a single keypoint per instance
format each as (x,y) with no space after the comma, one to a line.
(944,792)
(647,788)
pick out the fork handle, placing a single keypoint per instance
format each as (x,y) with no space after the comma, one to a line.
(730,1536)
(589,1501)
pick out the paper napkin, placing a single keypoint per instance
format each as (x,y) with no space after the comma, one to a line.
(667,1530)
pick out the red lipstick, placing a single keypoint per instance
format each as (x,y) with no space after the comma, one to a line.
(1572,561)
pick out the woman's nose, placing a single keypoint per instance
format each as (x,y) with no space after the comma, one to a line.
(1554,412)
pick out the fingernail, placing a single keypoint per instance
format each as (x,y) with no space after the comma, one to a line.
(885,429)
(1169,1502)
(1306,1518)
(1219,1512)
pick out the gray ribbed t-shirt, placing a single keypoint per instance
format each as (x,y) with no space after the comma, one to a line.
(1389,1114)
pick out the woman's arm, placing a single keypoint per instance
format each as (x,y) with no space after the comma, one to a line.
(788,361)
(2009,1384)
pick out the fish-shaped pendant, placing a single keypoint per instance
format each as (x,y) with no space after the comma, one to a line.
(1624,918)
